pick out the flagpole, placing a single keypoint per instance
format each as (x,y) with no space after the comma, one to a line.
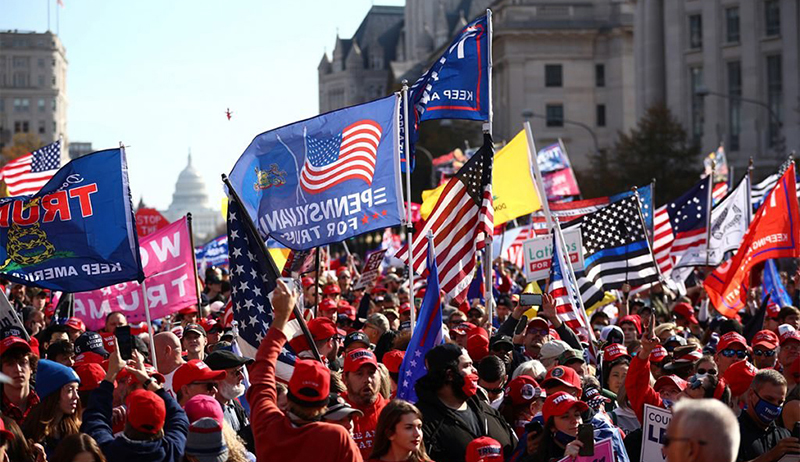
(194,261)
(489,128)
(317,270)
(749,214)
(644,226)
(409,225)
(651,235)
(352,265)
(262,246)
(149,325)
(709,202)
(537,175)
(566,262)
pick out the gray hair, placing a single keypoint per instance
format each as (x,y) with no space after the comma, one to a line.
(533,368)
(709,421)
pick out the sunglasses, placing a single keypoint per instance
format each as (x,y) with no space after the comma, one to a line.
(541,332)
(210,386)
(730,353)
(495,391)
(702,371)
(767,353)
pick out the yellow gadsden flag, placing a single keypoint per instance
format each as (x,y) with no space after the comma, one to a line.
(512,184)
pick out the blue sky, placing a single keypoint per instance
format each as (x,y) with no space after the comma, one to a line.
(159,75)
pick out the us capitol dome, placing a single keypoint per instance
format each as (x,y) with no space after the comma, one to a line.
(191,196)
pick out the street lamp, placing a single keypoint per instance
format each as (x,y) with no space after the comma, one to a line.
(528,114)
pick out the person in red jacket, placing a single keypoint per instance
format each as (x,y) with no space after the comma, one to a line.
(362,379)
(298,434)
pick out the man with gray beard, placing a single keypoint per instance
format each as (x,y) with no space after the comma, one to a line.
(231,388)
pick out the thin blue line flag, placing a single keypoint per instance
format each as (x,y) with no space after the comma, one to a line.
(427,334)
(774,287)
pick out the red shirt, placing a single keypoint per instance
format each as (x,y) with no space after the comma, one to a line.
(276,437)
(364,426)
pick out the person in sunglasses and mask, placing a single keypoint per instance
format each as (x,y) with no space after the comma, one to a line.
(732,347)
(761,438)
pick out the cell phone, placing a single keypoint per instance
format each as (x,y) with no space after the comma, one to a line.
(124,342)
(521,325)
(586,436)
(530,299)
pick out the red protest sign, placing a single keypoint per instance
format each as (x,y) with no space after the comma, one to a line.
(149,221)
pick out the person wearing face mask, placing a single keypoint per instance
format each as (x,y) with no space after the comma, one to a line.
(230,388)
(761,439)
(453,415)
(562,417)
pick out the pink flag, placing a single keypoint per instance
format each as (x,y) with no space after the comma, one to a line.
(169,278)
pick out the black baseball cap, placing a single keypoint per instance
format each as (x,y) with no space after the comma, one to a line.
(501,340)
(224,359)
(356,336)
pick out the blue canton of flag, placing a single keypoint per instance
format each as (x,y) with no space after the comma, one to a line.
(688,217)
(645,200)
(46,158)
(774,287)
(253,278)
(427,334)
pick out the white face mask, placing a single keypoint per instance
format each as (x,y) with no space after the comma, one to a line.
(229,391)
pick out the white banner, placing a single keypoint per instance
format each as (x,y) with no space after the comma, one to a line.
(654,429)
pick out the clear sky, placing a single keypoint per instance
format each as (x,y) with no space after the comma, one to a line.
(159,75)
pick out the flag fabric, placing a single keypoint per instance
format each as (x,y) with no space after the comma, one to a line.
(615,250)
(213,253)
(662,240)
(760,190)
(10,323)
(78,232)
(719,161)
(476,287)
(299,262)
(513,187)
(559,179)
(552,158)
(324,179)
(253,277)
(461,222)
(729,222)
(65,309)
(27,174)
(427,333)
(773,233)
(566,309)
(773,286)
(719,192)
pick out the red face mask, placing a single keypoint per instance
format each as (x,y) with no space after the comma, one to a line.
(470,386)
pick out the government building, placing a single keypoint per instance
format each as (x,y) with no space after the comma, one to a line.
(191,196)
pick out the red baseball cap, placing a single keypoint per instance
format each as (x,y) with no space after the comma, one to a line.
(477,346)
(484,449)
(614,352)
(393,360)
(327,304)
(49,310)
(342,269)
(634,319)
(348,311)
(354,359)
(523,389)
(76,324)
(331,289)
(188,310)
(731,338)
(658,354)
(320,328)
(307,282)
(789,335)
(465,328)
(13,342)
(739,376)
(146,411)
(310,384)
(6,434)
(685,311)
(195,371)
(766,338)
(91,374)
(541,322)
(674,380)
(405,307)
(378,290)
(561,402)
(562,375)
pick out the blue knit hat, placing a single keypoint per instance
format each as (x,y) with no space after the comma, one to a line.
(51,376)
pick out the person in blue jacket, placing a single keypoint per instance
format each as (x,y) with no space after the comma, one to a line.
(156,426)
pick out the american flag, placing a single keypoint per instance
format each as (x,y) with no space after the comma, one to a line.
(253,277)
(719,192)
(349,155)
(461,221)
(759,191)
(565,305)
(615,250)
(27,174)
(681,226)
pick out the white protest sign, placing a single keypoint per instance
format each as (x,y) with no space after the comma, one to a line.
(654,429)
(603,452)
(371,269)
(539,253)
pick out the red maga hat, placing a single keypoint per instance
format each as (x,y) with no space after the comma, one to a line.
(354,359)
(310,384)
(685,311)
(195,371)
(559,403)
(562,375)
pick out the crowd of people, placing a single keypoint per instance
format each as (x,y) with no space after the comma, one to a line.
(516,385)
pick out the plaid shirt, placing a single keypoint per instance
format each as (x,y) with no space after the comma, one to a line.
(11,410)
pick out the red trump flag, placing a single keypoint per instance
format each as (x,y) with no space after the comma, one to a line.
(774,233)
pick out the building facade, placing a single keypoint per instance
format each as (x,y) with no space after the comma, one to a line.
(728,70)
(33,86)
(191,196)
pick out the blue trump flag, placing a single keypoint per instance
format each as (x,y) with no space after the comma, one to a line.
(774,287)
(213,253)
(427,334)
(324,179)
(78,232)
(456,86)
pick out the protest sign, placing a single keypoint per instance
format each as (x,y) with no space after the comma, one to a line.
(149,221)
(371,269)
(603,452)
(539,253)
(169,270)
(656,420)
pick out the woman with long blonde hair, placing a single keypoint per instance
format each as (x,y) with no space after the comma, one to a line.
(398,435)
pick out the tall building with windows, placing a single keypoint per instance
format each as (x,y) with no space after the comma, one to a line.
(33,86)
(728,70)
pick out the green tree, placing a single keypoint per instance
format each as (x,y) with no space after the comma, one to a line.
(657,148)
(21,144)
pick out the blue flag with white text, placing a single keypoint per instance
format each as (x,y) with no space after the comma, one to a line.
(773,286)
(325,179)
(427,334)
(78,233)
(213,253)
